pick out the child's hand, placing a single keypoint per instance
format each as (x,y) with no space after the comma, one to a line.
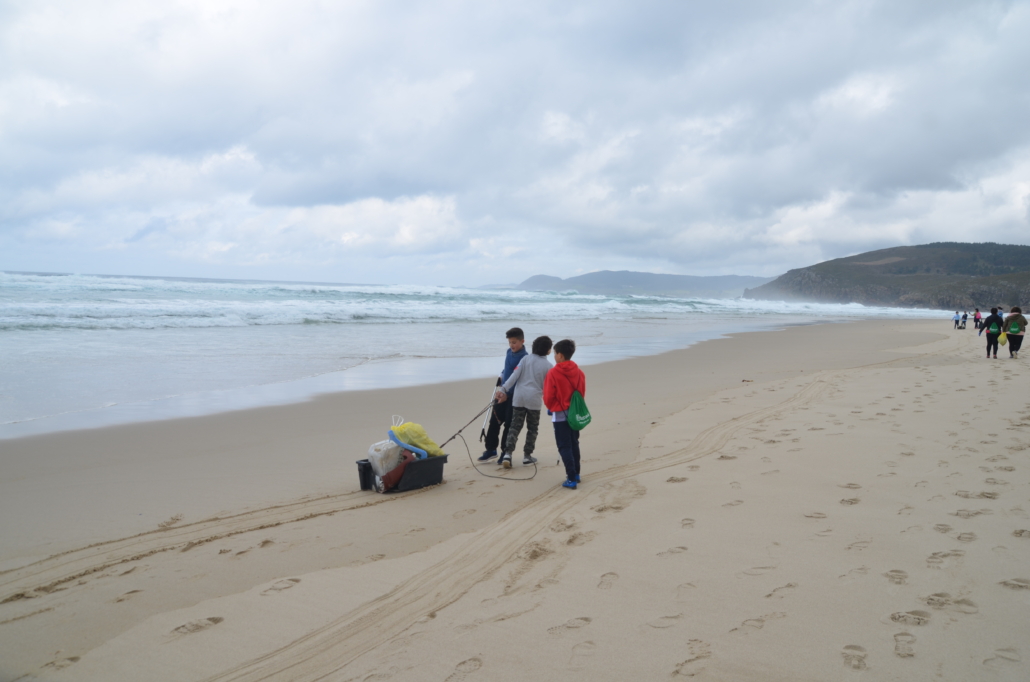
(501,396)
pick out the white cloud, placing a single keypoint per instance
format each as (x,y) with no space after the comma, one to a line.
(464,141)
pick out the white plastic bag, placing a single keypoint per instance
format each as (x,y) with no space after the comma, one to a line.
(384,457)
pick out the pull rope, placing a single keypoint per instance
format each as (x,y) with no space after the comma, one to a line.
(457,434)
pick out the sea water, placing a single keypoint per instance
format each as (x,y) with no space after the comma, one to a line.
(80,351)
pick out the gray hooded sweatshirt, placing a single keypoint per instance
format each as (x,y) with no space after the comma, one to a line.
(530,374)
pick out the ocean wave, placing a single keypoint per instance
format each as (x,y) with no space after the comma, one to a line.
(92,302)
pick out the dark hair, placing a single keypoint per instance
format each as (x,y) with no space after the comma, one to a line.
(566,347)
(994,311)
(541,345)
(515,333)
(1017,310)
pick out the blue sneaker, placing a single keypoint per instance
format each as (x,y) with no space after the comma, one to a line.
(487,455)
(569,484)
(576,479)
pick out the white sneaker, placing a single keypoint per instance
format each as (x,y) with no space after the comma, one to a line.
(506,460)
(528,459)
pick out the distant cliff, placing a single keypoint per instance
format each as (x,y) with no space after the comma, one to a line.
(946,275)
(627,283)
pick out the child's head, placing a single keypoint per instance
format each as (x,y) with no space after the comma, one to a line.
(542,346)
(994,311)
(564,349)
(516,339)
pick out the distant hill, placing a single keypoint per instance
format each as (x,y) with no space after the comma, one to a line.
(946,275)
(626,283)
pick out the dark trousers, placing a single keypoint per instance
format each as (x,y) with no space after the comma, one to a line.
(1015,341)
(501,417)
(567,440)
(992,342)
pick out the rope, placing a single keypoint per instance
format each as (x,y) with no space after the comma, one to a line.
(489,406)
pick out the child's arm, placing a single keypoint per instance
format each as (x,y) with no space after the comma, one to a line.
(516,373)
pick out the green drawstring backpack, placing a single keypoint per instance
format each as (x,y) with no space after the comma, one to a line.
(578,414)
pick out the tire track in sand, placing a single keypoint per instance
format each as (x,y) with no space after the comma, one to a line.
(326,650)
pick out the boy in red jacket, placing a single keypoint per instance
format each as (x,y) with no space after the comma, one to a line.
(562,379)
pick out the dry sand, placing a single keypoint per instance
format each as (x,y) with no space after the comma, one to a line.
(821,503)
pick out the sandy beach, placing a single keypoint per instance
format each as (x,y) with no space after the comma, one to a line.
(830,502)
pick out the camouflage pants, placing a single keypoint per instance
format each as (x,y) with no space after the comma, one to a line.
(520,416)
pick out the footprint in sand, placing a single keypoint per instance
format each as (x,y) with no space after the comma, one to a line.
(664,622)
(684,590)
(689,523)
(911,617)
(562,525)
(896,576)
(854,657)
(966,537)
(699,651)
(903,642)
(607,580)
(859,546)
(127,595)
(850,501)
(734,503)
(463,513)
(942,528)
(675,479)
(850,486)
(1016,584)
(61,663)
(937,559)
(581,654)
(571,624)
(995,481)
(197,625)
(938,600)
(727,457)
(815,515)
(782,591)
(466,667)
(971,513)
(280,585)
(1021,533)
(758,570)
(1003,658)
(671,551)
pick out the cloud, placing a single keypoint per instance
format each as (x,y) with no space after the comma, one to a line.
(476,143)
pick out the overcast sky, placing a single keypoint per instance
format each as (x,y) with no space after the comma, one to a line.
(468,143)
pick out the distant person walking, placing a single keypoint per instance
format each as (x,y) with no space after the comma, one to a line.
(965,318)
(956,318)
(976,319)
(1015,328)
(992,325)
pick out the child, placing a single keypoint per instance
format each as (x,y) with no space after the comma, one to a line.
(564,378)
(527,401)
(501,415)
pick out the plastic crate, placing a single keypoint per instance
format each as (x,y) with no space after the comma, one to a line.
(418,474)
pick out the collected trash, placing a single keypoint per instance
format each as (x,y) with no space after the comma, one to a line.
(407,461)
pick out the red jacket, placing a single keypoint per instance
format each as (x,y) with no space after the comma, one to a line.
(561,381)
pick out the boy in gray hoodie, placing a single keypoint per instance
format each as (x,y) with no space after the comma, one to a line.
(528,399)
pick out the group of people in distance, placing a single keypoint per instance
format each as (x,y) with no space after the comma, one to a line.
(527,384)
(994,325)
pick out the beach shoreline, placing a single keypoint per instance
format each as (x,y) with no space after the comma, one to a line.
(240,502)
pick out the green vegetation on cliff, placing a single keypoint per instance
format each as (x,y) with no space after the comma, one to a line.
(947,275)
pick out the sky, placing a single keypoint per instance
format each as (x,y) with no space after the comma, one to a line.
(467,143)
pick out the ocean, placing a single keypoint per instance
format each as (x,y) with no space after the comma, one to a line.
(82,351)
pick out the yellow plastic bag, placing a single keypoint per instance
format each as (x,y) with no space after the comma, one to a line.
(1003,338)
(413,434)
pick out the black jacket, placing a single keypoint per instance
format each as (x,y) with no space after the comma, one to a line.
(985,324)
